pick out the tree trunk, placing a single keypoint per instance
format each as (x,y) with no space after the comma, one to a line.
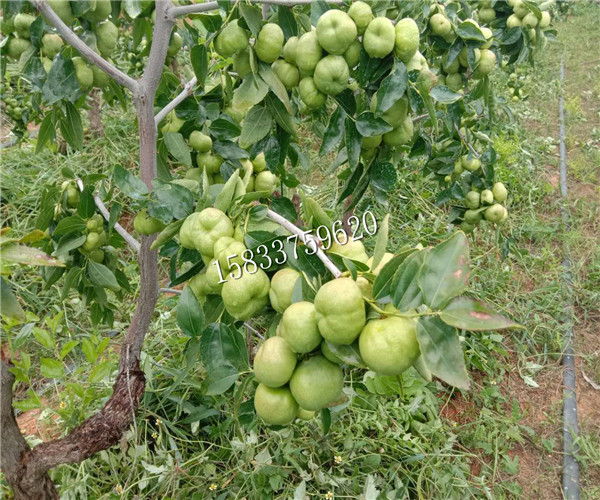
(96,127)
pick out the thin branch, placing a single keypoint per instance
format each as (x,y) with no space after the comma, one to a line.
(77,43)
(464,139)
(307,239)
(131,241)
(187,91)
(174,291)
(175,12)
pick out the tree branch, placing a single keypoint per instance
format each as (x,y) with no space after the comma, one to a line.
(307,239)
(77,43)
(175,12)
(130,240)
(187,91)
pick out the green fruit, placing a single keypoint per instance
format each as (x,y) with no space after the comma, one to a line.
(487,197)
(495,213)
(467,227)
(454,81)
(305,414)
(389,345)
(275,406)
(371,142)
(308,53)
(199,286)
(16,46)
(316,382)
(266,181)
(299,327)
(83,73)
(62,8)
(336,31)
(489,36)
(290,50)
(487,15)
(51,44)
(269,43)
(545,20)
(228,246)
(274,362)
(513,21)
(259,163)
(247,295)
(400,135)
(190,184)
(352,55)
(175,45)
(361,14)
(426,80)
(209,161)
(310,95)
(101,79)
(287,73)
(472,217)
(487,63)
(352,249)
(22,24)
(500,193)
(194,174)
(145,224)
(92,241)
(328,353)
(472,200)
(379,38)
(463,57)
(72,196)
(340,311)
(200,142)
(100,11)
(530,21)
(471,163)
(450,68)
(201,230)
(97,255)
(331,75)
(241,63)
(282,288)
(407,39)
(440,25)
(231,40)
(107,35)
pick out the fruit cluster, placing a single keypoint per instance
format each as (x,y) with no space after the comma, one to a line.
(487,204)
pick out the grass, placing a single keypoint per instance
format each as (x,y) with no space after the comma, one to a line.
(500,440)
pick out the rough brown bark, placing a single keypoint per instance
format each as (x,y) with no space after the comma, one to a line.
(96,127)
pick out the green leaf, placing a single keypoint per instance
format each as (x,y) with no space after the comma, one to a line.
(132,7)
(101,371)
(404,288)
(199,59)
(257,125)
(212,23)
(381,287)
(392,88)
(44,337)
(382,241)
(27,256)
(224,355)
(69,242)
(102,276)
(178,148)
(369,125)
(129,184)
(71,127)
(383,176)
(468,30)
(70,280)
(253,17)
(89,351)
(224,128)
(34,72)
(72,224)
(252,91)
(445,272)
(287,21)
(441,351)
(61,82)
(325,420)
(46,133)
(349,354)
(170,201)
(67,348)
(282,117)
(444,95)
(334,132)
(51,368)
(353,143)
(167,234)
(275,84)
(9,305)
(190,315)
(86,206)
(474,315)
(224,198)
